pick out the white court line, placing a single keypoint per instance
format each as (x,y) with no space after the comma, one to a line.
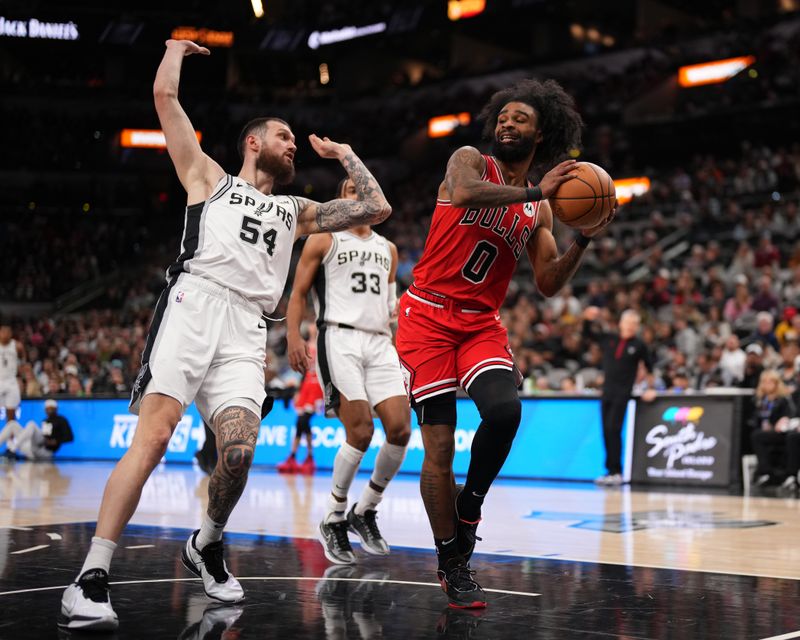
(17,528)
(141,546)
(54,536)
(277,578)
(785,636)
(29,549)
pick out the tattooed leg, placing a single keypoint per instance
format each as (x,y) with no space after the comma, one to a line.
(237,431)
(436,480)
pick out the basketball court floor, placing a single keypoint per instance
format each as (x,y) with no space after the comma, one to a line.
(558,561)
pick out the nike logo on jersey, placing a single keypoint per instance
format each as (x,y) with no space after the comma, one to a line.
(262,326)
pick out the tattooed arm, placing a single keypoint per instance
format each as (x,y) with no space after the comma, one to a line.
(464,187)
(550,270)
(335,215)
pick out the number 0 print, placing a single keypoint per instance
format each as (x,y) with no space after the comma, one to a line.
(483,256)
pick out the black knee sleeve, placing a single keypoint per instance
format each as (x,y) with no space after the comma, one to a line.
(495,395)
(439,409)
(303,424)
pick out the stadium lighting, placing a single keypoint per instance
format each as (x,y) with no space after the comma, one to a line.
(629,187)
(208,37)
(258,8)
(442,126)
(460,9)
(712,72)
(146,138)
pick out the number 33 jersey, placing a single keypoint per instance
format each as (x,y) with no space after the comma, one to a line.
(352,283)
(470,254)
(241,239)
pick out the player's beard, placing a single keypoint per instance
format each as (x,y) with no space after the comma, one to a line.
(279,167)
(513,151)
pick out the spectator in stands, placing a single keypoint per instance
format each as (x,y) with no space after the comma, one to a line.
(765,298)
(773,409)
(708,374)
(741,303)
(753,366)
(731,364)
(764,333)
(767,254)
(785,324)
(34,442)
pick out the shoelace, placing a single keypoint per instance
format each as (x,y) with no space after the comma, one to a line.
(212,555)
(94,585)
(460,579)
(339,530)
(371,520)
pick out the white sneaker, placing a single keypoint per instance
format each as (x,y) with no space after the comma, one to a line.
(602,480)
(615,480)
(86,604)
(209,564)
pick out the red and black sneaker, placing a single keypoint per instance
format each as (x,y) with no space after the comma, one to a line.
(462,591)
(466,531)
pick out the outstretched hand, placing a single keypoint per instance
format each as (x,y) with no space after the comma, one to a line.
(557,176)
(327,148)
(188,47)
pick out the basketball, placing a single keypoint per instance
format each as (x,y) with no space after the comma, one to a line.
(586,200)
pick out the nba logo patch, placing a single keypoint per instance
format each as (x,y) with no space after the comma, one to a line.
(179,297)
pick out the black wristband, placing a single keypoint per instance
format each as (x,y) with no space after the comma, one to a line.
(582,241)
(533,194)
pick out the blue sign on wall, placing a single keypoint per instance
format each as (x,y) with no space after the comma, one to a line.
(559,438)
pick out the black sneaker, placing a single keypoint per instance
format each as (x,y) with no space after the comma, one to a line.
(366,528)
(335,544)
(462,591)
(466,531)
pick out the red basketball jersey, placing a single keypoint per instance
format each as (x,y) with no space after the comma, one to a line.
(470,254)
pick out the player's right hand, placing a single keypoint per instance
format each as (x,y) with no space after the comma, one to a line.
(557,176)
(188,46)
(298,354)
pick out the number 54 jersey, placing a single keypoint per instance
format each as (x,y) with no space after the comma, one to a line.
(351,287)
(471,254)
(240,239)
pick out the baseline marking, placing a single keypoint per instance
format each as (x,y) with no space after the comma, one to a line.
(54,536)
(276,578)
(29,549)
(16,528)
(141,546)
(785,636)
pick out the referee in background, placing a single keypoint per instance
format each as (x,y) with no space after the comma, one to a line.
(622,354)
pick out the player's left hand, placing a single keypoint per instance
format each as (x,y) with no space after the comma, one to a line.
(327,148)
(591,233)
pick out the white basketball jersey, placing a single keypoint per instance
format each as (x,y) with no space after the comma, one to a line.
(352,284)
(8,361)
(241,239)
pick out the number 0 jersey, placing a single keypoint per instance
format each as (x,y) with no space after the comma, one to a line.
(470,254)
(352,283)
(241,239)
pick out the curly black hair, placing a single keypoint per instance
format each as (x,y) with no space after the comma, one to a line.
(559,120)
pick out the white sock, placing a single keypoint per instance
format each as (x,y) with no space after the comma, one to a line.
(335,510)
(210,531)
(369,500)
(345,467)
(387,464)
(99,556)
(11,430)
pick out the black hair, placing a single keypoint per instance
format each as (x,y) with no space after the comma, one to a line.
(558,119)
(254,125)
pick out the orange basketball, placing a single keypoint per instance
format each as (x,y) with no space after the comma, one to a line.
(586,200)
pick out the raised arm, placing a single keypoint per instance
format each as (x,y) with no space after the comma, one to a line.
(551,270)
(464,188)
(310,261)
(197,172)
(336,215)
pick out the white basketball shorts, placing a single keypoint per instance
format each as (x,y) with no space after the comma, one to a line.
(358,365)
(9,394)
(206,344)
